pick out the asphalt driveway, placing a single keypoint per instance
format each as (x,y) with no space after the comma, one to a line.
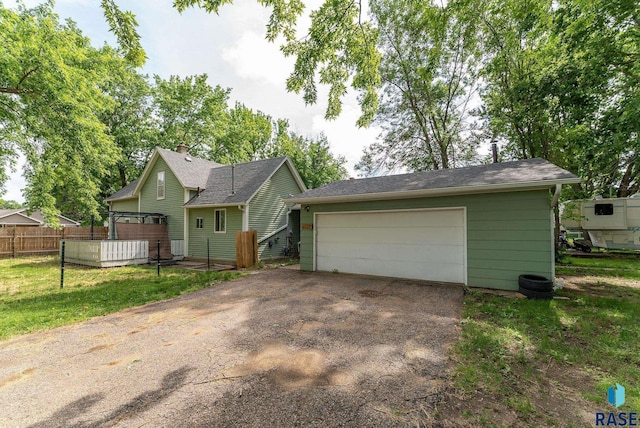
(276,348)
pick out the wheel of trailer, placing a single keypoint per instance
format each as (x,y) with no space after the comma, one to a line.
(531,294)
(535,283)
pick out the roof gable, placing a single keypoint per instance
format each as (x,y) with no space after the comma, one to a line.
(19,216)
(530,173)
(126,192)
(238,184)
(191,172)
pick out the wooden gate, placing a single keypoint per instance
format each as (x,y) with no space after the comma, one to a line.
(246,249)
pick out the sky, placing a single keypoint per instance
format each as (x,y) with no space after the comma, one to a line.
(231,49)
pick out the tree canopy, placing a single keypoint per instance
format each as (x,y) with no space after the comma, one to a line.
(87,121)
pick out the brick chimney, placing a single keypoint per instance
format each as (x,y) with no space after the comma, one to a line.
(182,149)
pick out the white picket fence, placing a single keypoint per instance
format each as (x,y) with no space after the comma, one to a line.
(107,253)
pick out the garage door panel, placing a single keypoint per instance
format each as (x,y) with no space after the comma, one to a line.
(399,252)
(395,268)
(444,218)
(421,244)
(420,235)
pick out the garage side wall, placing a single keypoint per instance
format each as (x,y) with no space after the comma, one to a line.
(508,234)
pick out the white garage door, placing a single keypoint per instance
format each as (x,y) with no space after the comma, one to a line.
(416,244)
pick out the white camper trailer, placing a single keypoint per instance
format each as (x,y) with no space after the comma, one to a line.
(609,223)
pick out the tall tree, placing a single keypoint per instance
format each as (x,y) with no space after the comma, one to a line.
(312,157)
(429,73)
(246,136)
(130,122)
(519,68)
(49,110)
(338,50)
(601,41)
(191,112)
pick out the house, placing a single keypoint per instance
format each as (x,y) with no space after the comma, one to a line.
(20,217)
(200,200)
(481,226)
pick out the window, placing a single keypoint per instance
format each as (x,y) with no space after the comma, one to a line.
(160,184)
(199,223)
(604,209)
(220,217)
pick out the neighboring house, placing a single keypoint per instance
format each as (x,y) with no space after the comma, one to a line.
(481,226)
(201,199)
(19,217)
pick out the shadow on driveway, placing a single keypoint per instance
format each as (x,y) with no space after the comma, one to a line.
(275,348)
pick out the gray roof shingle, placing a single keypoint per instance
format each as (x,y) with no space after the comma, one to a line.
(192,172)
(453,180)
(248,178)
(124,193)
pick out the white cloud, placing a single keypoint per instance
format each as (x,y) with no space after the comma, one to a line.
(252,57)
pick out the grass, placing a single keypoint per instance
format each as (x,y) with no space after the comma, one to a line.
(515,350)
(620,266)
(31,298)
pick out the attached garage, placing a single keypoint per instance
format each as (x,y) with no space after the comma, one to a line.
(417,244)
(480,226)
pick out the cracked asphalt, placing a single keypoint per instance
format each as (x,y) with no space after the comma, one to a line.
(278,347)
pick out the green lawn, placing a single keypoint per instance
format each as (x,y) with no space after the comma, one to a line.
(31,298)
(514,351)
(621,266)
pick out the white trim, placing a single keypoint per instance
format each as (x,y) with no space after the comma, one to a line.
(553,243)
(464,220)
(215,223)
(185,225)
(215,205)
(447,191)
(275,232)
(245,218)
(68,219)
(164,185)
(146,171)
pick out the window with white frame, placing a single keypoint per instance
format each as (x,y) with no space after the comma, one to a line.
(199,223)
(161,185)
(220,221)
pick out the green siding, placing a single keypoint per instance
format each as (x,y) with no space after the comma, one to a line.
(171,205)
(222,246)
(130,205)
(508,234)
(267,212)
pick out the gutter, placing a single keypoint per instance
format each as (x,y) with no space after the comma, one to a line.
(447,191)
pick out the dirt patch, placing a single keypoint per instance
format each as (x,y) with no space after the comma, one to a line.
(276,348)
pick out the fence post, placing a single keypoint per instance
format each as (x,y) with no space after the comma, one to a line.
(13,243)
(62,265)
(158,257)
(208,263)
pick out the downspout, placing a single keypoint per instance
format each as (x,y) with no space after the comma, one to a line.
(245,217)
(556,195)
(555,231)
(278,230)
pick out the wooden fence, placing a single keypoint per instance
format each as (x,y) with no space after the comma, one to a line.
(17,241)
(246,248)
